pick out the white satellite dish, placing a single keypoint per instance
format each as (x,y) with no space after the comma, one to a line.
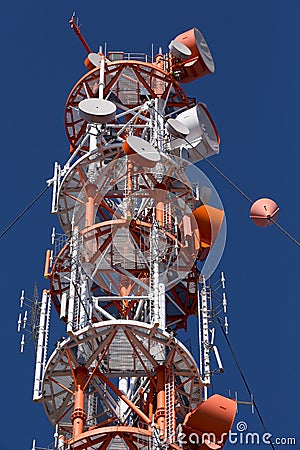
(95,59)
(203,139)
(179,50)
(97,110)
(142,152)
(176,129)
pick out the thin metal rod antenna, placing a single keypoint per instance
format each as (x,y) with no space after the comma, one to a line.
(24,211)
(77,31)
(244,380)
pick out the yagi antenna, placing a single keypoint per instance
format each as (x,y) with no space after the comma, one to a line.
(76,28)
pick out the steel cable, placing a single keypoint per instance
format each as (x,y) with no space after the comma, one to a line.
(24,211)
(245,381)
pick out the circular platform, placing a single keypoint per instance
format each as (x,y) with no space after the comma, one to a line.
(125,349)
(126,84)
(76,177)
(118,437)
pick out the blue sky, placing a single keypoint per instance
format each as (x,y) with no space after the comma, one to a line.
(254,99)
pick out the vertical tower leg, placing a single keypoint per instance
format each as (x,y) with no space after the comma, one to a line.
(79,416)
(160,213)
(160,415)
(91,190)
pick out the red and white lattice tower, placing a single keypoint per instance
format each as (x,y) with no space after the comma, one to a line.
(140,223)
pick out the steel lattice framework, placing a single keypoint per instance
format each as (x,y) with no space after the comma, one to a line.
(126,272)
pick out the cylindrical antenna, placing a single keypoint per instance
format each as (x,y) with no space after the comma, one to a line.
(101,77)
(55,435)
(226,325)
(22,298)
(19,323)
(25,319)
(22,343)
(53,236)
(224,302)
(218,358)
(223,280)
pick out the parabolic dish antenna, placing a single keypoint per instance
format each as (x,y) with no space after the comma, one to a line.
(203,138)
(143,153)
(92,60)
(179,50)
(95,59)
(201,62)
(97,110)
(177,129)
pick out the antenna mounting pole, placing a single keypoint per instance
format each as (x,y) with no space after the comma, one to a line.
(74,25)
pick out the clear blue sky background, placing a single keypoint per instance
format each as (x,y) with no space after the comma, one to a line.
(254,98)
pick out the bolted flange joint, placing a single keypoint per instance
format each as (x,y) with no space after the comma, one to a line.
(78,413)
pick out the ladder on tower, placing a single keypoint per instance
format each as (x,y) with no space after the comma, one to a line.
(46,334)
(76,313)
(170,408)
(92,406)
(154,274)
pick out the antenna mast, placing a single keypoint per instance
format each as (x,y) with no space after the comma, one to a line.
(132,262)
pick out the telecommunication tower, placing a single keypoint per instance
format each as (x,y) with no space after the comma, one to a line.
(142,231)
